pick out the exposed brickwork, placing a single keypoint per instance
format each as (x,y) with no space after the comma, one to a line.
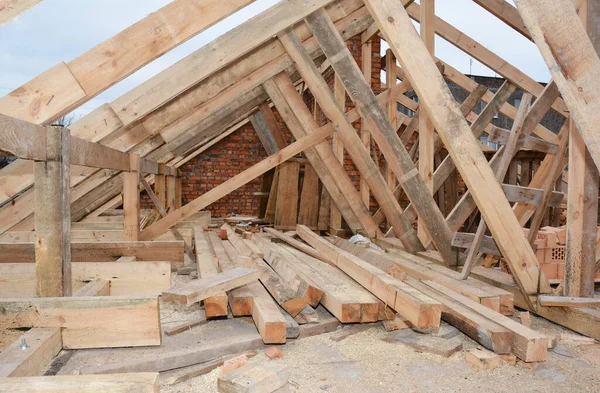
(243,149)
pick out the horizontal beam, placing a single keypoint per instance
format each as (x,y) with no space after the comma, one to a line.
(27,141)
(565,301)
(500,136)
(89,322)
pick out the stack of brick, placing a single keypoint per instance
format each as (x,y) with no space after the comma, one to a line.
(551,251)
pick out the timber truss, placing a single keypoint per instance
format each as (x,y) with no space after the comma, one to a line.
(267,62)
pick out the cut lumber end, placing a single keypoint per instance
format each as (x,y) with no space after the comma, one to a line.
(482,359)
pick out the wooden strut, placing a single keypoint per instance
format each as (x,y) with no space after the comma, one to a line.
(395,24)
(510,149)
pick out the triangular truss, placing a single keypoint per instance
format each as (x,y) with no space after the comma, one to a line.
(211,93)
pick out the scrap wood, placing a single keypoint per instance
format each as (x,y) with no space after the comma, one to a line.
(204,288)
(257,377)
(482,359)
(183,327)
(174,377)
(425,342)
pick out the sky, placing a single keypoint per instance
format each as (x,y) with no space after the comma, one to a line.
(61,30)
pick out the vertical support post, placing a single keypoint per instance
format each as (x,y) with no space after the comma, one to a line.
(582,209)
(160,185)
(338,151)
(391,107)
(365,135)
(171,184)
(179,190)
(131,200)
(426,129)
(53,216)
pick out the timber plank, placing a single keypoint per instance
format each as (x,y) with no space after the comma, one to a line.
(214,306)
(419,309)
(89,322)
(119,383)
(44,345)
(204,288)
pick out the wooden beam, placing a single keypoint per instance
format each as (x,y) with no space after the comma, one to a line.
(365,135)
(286,211)
(131,201)
(383,133)
(204,288)
(126,278)
(118,383)
(53,218)
(419,309)
(43,345)
(460,142)
(235,182)
(426,129)
(566,301)
(335,218)
(466,240)
(560,35)
(582,204)
(89,322)
(509,151)
(351,141)
(96,287)
(330,171)
(500,136)
(206,261)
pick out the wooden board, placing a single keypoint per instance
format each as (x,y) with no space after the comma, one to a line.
(17,280)
(418,308)
(119,383)
(286,211)
(171,251)
(44,345)
(203,288)
(256,377)
(89,322)
(206,261)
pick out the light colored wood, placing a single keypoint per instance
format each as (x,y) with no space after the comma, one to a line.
(335,218)
(286,211)
(582,203)
(342,296)
(118,383)
(528,345)
(419,309)
(214,306)
(255,377)
(131,201)
(483,360)
(89,322)
(308,213)
(426,128)
(53,218)
(204,288)
(486,332)
(336,182)
(286,295)
(455,132)
(384,134)
(509,151)
(351,141)
(566,301)
(44,344)
(365,135)
(96,287)
(11,9)
(500,136)
(284,266)
(556,28)
(235,182)
(160,184)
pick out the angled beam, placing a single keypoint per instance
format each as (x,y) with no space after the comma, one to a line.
(367,168)
(510,149)
(233,183)
(458,138)
(384,134)
(331,172)
(507,13)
